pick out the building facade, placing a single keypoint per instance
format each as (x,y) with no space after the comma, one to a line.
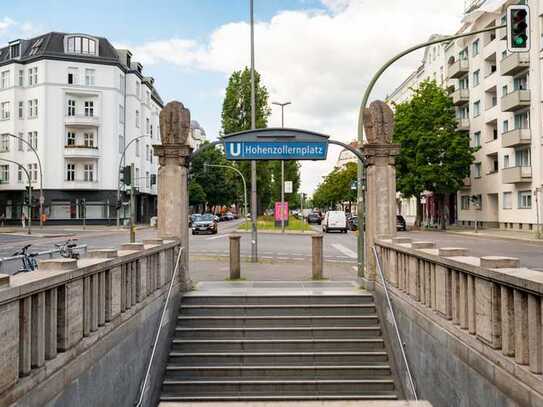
(497,98)
(197,135)
(79,102)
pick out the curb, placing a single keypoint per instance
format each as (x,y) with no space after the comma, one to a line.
(287,232)
(488,236)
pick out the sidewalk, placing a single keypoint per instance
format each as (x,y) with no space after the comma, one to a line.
(492,233)
(63,230)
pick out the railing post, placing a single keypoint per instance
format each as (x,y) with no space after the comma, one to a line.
(317,256)
(235,268)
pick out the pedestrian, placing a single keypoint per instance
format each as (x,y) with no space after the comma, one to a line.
(24,219)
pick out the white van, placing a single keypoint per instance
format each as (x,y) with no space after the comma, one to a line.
(334,220)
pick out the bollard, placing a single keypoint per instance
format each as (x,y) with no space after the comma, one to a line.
(317,259)
(235,268)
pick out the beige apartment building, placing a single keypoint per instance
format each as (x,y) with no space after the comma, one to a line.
(497,96)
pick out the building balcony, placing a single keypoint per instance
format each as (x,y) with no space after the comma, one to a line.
(458,69)
(514,63)
(460,97)
(516,100)
(80,184)
(80,151)
(516,137)
(463,125)
(515,175)
(466,184)
(82,121)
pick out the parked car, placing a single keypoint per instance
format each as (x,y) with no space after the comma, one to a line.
(400,223)
(334,220)
(227,216)
(206,223)
(314,217)
(193,218)
(353,223)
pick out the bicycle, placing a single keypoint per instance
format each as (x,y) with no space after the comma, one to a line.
(28,260)
(66,249)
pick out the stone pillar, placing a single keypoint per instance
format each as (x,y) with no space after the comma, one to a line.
(235,267)
(380,156)
(317,256)
(174,157)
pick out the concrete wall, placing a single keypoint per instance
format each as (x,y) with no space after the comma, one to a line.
(447,372)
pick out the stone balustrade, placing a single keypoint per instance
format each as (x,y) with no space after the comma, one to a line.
(50,316)
(490,303)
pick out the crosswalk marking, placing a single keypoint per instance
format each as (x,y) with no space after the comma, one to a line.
(344,250)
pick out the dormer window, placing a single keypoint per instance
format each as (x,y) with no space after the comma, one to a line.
(77,44)
(15,50)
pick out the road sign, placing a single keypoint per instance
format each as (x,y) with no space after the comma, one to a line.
(288,187)
(276,144)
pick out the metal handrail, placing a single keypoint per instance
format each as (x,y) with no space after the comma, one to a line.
(143,389)
(396,329)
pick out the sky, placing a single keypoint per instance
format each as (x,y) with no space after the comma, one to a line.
(317,54)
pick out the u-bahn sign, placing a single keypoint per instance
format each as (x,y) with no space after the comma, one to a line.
(276,144)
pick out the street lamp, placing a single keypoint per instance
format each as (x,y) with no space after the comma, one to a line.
(41,173)
(254,246)
(282,168)
(121,161)
(29,191)
(242,178)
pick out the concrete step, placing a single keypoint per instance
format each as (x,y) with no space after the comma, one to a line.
(277,345)
(279,310)
(265,398)
(277,358)
(276,321)
(363,298)
(276,387)
(347,332)
(238,373)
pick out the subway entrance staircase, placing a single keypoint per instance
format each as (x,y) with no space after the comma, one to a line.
(278,341)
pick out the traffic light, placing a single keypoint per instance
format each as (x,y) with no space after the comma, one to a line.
(127,178)
(518,28)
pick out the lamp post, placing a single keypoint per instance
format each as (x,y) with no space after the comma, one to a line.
(121,161)
(42,199)
(282,168)
(244,184)
(29,191)
(254,246)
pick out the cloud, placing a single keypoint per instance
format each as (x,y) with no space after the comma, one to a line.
(321,60)
(11,29)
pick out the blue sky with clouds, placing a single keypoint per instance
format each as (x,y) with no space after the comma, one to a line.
(319,54)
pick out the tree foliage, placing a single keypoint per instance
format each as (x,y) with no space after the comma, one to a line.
(434,156)
(197,195)
(336,187)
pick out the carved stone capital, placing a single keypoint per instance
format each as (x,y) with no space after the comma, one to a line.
(381,152)
(178,153)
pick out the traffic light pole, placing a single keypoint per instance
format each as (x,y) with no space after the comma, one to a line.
(361,170)
(132,206)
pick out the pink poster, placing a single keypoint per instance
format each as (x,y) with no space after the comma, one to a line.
(278,211)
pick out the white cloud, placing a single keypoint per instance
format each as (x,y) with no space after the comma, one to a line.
(319,60)
(11,29)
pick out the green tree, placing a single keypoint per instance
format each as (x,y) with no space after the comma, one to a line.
(336,188)
(292,173)
(434,156)
(197,195)
(236,116)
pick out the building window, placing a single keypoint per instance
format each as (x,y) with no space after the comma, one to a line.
(465,202)
(4,174)
(522,158)
(476,108)
(147,155)
(522,121)
(520,83)
(151,131)
(72,76)
(137,118)
(70,172)
(33,76)
(525,199)
(88,139)
(138,90)
(33,171)
(121,143)
(504,90)
(4,110)
(71,107)
(137,148)
(477,170)
(507,200)
(4,143)
(20,142)
(477,139)
(137,178)
(505,126)
(89,108)
(81,45)
(475,48)
(32,108)
(70,138)
(89,77)
(5,79)
(21,110)
(21,77)
(15,50)
(147,126)
(32,140)
(121,114)
(147,183)
(476,77)
(88,172)
(463,54)
(19,174)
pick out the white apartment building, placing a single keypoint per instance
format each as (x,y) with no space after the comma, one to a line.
(79,102)
(497,97)
(197,135)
